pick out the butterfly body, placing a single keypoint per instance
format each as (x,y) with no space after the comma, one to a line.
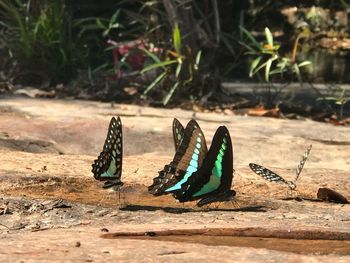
(189,155)
(212,181)
(108,165)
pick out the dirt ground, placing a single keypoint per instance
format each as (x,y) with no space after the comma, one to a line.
(52,209)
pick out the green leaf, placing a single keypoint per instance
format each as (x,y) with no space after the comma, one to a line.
(297,72)
(253,65)
(158,65)
(259,68)
(155,82)
(151,55)
(304,63)
(116,25)
(329,98)
(177,39)
(251,50)
(170,93)
(251,37)
(269,37)
(198,59)
(178,70)
(114,17)
(100,24)
(267,69)
(278,71)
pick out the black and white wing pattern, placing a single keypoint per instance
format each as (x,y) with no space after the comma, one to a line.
(108,166)
(275,178)
(301,164)
(267,174)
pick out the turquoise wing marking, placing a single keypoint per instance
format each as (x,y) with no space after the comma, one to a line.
(112,169)
(193,167)
(215,178)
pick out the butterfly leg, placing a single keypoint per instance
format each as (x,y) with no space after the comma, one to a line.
(106,197)
(119,198)
(291,194)
(297,195)
(103,199)
(235,204)
(207,207)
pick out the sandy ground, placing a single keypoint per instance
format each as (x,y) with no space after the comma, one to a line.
(51,208)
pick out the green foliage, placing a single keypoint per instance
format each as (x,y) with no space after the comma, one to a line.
(60,38)
(93,34)
(176,61)
(36,37)
(93,24)
(265,57)
(340,100)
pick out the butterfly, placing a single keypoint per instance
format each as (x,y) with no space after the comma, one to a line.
(212,181)
(108,165)
(188,157)
(275,178)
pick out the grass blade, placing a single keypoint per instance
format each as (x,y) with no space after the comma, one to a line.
(170,93)
(159,65)
(155,82)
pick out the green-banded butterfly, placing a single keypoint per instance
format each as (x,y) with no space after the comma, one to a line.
(275,178)
(188,157)
(212,181)
(108,165)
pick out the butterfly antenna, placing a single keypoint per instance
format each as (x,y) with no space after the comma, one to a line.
(301,164)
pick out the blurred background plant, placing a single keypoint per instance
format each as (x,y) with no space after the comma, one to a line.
(168,52)
(37,41)
(265,57)
(178,66)
(337,102)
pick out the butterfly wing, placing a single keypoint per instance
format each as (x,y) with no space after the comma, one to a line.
(214,178)
(108,166)
(178,133)
(189,156)
(301,164)
(267,174)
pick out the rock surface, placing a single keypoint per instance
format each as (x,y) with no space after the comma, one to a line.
(51,208)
